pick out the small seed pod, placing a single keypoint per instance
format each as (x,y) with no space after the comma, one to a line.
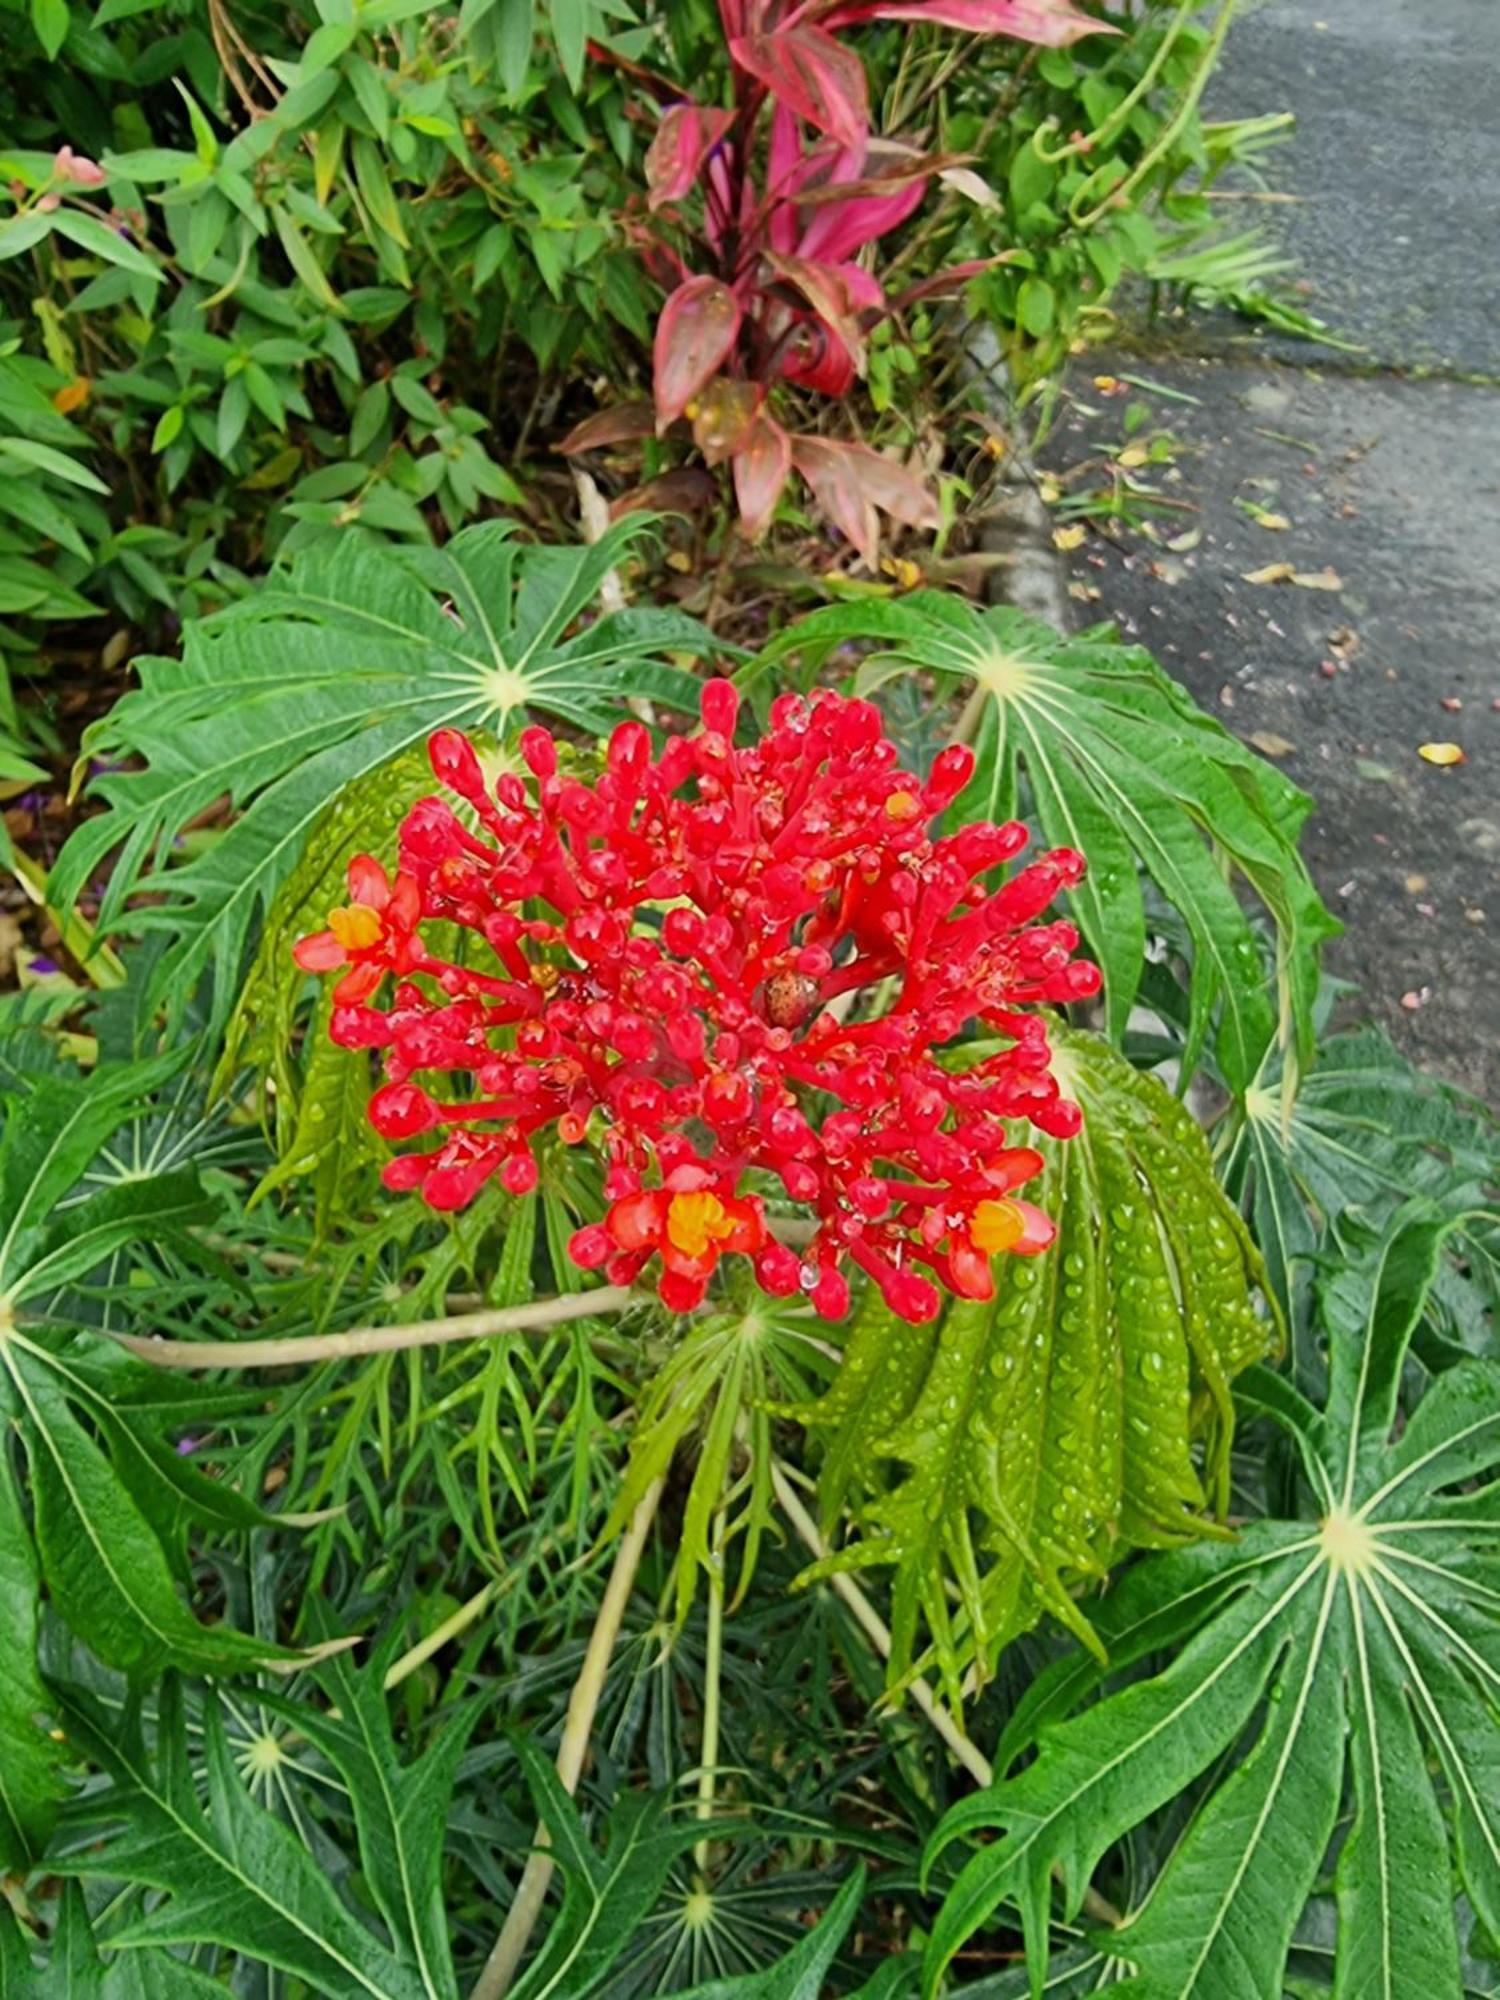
(788,998)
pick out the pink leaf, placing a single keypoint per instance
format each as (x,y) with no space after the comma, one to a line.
(844,226)
(684,139)
(833,473)
(617,426)
(895,489)
(850,481)
(762,466)
(694,337)
(1052,23)
(814,76)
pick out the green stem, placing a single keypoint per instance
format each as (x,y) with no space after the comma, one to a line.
(376,1339)
(521,1919)
(713,1661)
(1169,133)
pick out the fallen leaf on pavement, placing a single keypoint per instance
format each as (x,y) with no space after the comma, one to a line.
(1272,573)
(1441,753)
(1269,744)
(1326,578)
(1265,517)
(1069,538)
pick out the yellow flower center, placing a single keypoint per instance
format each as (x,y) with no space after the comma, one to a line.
(996,1226)
(696,1220)
(902,805)
(357,927)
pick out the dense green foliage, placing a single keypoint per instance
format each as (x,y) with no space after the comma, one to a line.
(1132,1627)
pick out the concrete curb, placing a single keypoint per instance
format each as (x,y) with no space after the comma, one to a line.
(1015,525)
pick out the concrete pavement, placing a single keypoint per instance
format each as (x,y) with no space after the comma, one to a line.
(1385,465)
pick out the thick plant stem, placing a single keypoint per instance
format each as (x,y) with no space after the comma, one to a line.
(964,1750)
(510,1947)
(713,1661)
(377,1339)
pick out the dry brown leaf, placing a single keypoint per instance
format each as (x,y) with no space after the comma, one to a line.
(1272,573)
(1269,744)
(1326,578)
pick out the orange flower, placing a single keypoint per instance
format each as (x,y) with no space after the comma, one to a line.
(372,934)
(687,1222)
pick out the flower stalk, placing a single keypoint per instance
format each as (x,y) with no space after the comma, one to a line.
(510,1947)
(300,1349)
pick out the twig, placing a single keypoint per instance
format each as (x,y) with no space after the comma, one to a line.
(376,1339)
(510,1947)
(965,1750)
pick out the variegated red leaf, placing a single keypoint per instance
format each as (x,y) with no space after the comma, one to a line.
(850,481)
(895,489)
(1051,23)
(948,284)
(684,139)
(762,466)
(833,473)
(694,337)
(620,425)
(816,77)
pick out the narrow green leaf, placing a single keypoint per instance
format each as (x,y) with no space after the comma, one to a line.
(30,1759)
(104,1568)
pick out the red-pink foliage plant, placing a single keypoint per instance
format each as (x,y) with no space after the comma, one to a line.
(761,215)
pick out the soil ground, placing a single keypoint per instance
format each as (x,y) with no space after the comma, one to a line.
(1384,464)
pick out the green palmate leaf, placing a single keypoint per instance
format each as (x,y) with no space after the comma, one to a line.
(105,1524)
(400,1811)
(291,694)
(607,1893)
(74,1968)
(228,1874)
(328,1140)
(802,1973)
(157,1210)
(1366,1131)
(1123,766)
(54,1126)
(716,1388)
(1352,1657)
(1084,1411)
(106,1570)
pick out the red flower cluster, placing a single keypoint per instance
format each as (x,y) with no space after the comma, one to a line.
(737,968)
